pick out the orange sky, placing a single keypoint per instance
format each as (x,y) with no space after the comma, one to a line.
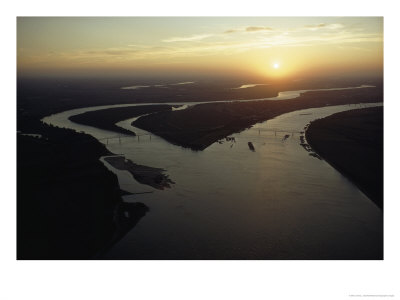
(242,45)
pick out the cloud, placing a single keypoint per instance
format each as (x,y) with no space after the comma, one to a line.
(231,31)
(257,28)
(334,26)
(324,26)
(191,38)
(226,42)
(108,52)
(249,29)
(354,48)
(316,26)
(144,52)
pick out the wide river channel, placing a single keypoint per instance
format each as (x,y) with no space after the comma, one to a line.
(229,202)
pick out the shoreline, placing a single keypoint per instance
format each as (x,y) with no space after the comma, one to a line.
(204,124)
(106,118)
(352,143)
(153,177)
(67,200)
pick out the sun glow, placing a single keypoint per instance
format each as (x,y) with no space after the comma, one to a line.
(234,46)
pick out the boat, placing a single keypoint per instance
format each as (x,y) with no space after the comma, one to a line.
(251,146)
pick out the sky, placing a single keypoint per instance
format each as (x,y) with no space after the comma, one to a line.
(270,47)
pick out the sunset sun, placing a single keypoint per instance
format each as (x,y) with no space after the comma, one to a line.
(276,66)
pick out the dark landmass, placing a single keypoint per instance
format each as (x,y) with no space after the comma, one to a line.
(200,126)
(352,142)
(44,96)
(68,203)
(143,174)
(106,118)
(126,216)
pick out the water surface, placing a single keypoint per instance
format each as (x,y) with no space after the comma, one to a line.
(231,203)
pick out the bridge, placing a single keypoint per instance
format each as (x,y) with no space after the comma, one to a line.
(121,137)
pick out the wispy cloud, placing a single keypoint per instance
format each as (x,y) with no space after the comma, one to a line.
(257,28)
(229,42)
(310,27)
(321,25)
(324,26)
(249,29)
(231,31)
(191,38)
(354,48)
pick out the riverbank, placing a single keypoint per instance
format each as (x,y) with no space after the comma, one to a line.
(352,142)
(69,205)
(201,125)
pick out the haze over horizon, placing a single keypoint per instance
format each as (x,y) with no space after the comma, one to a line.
(262,47)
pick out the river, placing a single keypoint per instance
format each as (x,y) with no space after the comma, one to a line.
(228,202)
